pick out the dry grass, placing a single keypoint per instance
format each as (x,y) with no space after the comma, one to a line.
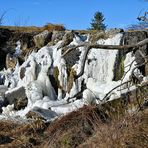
(88,127)
(52,27)
(49,27)
(21,135)
(74,128)
(126,132)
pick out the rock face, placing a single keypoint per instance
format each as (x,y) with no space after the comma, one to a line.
(8,39)
(57,36)
(67,39)
(26,40)
(29,41)
(133,37)
(10,61)
(42,39)
(5,34)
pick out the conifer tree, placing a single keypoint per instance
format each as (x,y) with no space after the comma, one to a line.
(97,21)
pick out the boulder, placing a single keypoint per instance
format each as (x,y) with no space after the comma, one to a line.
(17,96)
(3,102)
(40,113)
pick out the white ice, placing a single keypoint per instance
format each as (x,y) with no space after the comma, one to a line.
(98,75)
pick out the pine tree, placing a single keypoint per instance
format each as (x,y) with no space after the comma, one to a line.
(97,22)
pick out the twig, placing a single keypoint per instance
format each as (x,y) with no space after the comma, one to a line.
(105,97)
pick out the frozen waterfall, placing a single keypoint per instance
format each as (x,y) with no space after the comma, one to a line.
(33,75)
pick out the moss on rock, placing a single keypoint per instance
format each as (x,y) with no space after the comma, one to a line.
(71,78)
(119,66)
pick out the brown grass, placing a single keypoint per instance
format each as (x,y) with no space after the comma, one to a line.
(75,128)
(21,135)
(52,27)
(126,132)
(88,127)
(49,27)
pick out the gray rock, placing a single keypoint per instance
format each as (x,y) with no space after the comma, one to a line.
(17,97)
(131,38)
(3,89)
(67,39)
(41,113)
(3,102)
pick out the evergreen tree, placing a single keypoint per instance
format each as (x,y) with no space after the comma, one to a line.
(97,22)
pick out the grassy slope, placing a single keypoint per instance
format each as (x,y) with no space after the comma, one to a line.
(87,127)
(49,27)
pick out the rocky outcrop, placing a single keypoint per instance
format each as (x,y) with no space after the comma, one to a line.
(42,39)
(8,39)
(131,38)
(10,61)
(5,35)
(67,39)
(57,36)
(26,40)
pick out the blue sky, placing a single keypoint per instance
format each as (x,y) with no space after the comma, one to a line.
(76,14)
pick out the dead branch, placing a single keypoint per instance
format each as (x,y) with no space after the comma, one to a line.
(73,48)
(109,47)
(133,76)
(89,46)
(99,46)
(130,66)
(143,18)
(83,63)
(2,17)
(106,96)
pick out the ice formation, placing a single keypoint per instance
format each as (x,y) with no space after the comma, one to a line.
(18,48)
(33,75)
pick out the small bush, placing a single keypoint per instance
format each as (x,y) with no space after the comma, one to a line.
(52,27)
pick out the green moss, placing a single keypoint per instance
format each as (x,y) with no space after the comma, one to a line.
(119,66)
(56,83)
(71,76)
(56,74)
(65,141)
(54,79)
